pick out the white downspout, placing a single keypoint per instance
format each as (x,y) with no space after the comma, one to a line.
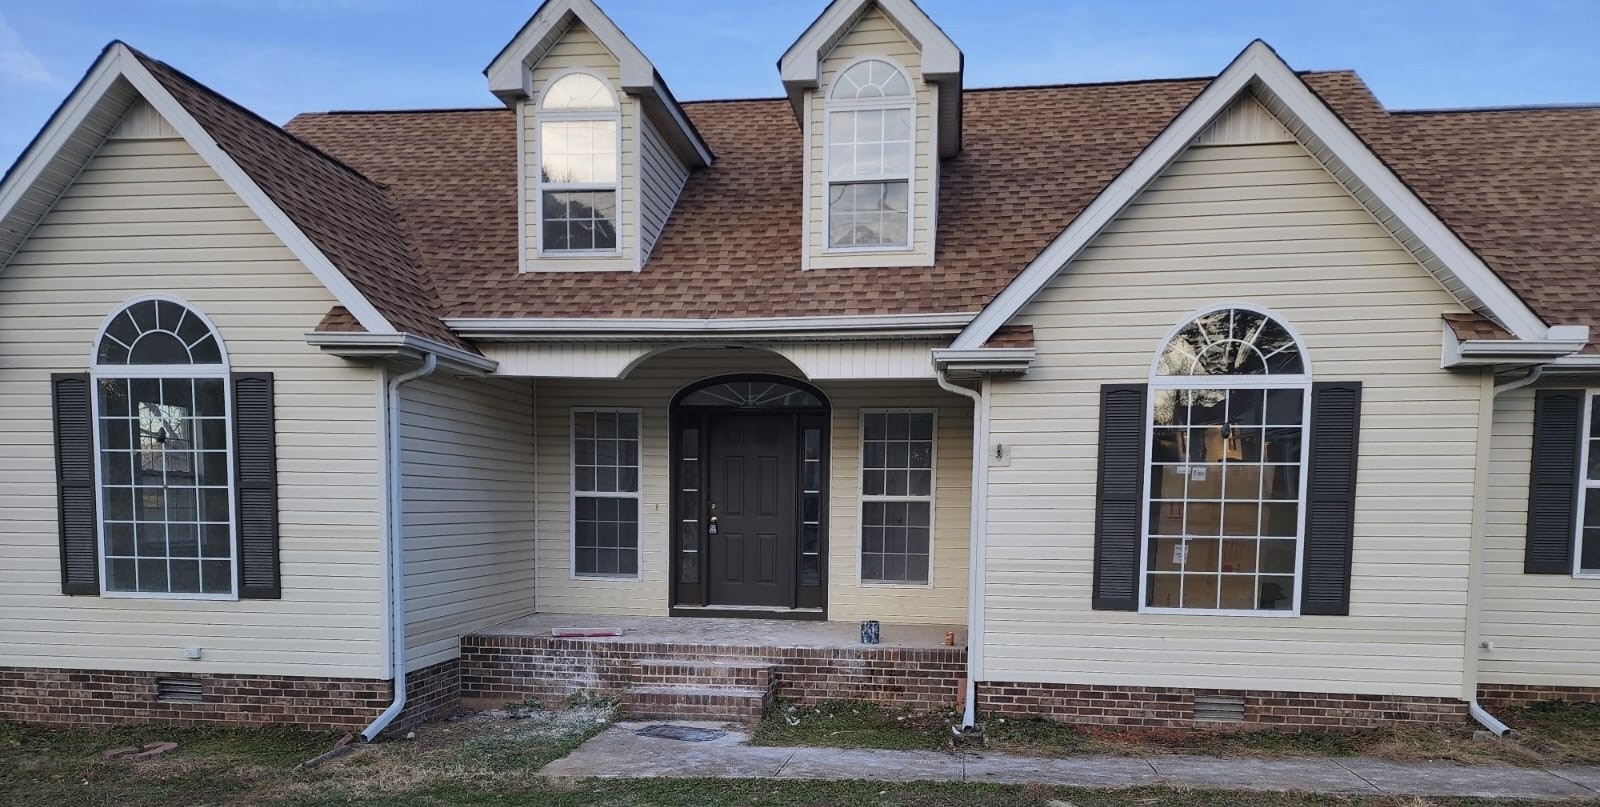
(396,539)
(1480,537)
(978,539)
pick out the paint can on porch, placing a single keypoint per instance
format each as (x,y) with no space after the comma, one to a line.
(869,631)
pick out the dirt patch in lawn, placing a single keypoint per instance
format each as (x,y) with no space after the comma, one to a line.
(1551,734)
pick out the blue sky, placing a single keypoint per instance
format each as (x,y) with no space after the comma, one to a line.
(280,57)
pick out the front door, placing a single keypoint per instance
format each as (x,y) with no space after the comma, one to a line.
(751,498)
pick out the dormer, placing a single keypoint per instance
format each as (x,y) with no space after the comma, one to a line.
(877,88)
(603,149)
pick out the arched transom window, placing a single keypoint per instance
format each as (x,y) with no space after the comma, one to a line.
(578,166)
(164,473)
(871,149)
(1229,399)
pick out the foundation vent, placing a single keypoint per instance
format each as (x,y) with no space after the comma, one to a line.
(1219,708)
(179,690)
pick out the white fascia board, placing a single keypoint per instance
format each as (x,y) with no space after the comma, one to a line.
(354,344)
(1260,64)
(127,65)
(1564,342)
(533,327)
(801,62)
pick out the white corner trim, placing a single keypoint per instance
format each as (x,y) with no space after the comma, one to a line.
(1257,64)
(125,64)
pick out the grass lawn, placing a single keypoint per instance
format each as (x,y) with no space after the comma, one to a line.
(1552,734)
(492,759)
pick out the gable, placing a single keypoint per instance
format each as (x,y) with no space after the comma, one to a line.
(1259,72)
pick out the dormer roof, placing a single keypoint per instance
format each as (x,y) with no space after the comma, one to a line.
(801,64)
(510,72)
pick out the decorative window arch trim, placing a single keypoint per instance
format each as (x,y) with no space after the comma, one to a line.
(612,115)
(832,105)
(126,305)
(1231,386)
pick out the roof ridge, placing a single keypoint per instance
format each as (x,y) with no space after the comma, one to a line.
(417,111)
(148,59)
(1587,106)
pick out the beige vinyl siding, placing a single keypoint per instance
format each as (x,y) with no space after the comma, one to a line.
(650,388)
(1261,224)
(661,178)
(148,216)
(1545,628)
(874,34)
(578,49)
(468,486)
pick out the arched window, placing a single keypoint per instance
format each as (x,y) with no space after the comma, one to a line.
(1229,400)
(871,149)
(165,472)
(578,166)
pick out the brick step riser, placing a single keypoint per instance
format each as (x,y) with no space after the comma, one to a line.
(701,674)
(660,706)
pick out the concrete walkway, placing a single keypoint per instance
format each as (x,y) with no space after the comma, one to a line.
(619,752)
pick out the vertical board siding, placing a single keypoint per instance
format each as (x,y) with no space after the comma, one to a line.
(650,388)
(1542,626)
(874,34)
(661,178)
(468,479)
(148,216)
(1262,224)
(883,359)
(579,49)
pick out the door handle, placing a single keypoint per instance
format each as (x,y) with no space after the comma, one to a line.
(712,530)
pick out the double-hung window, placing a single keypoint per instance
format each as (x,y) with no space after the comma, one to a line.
(896,496)
(605,492)
(1229,405)
(871,148)
(165,466)
(578,166)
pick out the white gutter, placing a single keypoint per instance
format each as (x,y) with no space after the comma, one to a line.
(1475,562)
(978,538)
(1559,341)
(985,360)
(396,540)
(628,326)
(363,345)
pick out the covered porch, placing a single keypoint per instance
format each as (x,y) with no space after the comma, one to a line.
(685,667)
(805,479)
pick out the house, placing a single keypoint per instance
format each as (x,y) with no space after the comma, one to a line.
(1239,398)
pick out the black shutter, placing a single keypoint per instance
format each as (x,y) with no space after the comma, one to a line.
(75,490)
(1119,497)
(1335,434)
(1553,481)
(255,457)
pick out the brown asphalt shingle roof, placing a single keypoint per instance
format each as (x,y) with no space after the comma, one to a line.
(349,217)
(418,209)
(1521,187)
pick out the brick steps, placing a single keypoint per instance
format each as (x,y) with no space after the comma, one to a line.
(701,689)
(680,702)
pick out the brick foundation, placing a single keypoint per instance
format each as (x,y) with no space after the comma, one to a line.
(57,697)
(496,669)
(1173,708)
(1505,697)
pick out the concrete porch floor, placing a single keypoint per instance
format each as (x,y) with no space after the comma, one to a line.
(732,632)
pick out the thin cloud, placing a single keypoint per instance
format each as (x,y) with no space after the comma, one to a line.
(18,64)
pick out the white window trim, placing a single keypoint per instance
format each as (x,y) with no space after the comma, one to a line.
(97,372)
(831,105)
(573,493)
(1301,381)
(862,498)
(540,117)
(1585,484)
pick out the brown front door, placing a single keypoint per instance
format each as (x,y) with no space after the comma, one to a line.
(752,499)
